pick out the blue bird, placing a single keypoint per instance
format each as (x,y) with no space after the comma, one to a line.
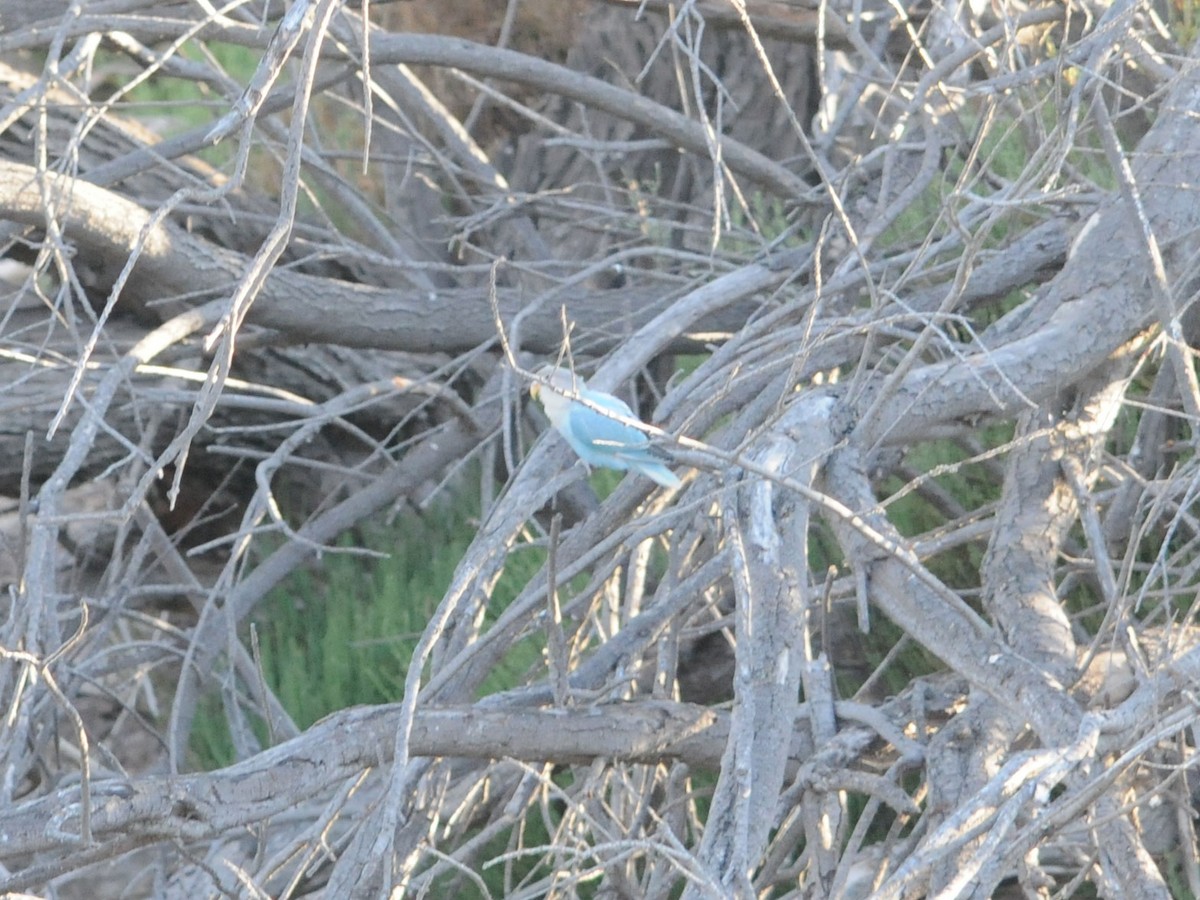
(596,438)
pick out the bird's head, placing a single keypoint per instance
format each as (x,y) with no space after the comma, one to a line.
(561,379)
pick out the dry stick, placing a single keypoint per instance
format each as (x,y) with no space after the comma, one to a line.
(171,559)
(824,814)
(119,169)
(634,639)
(343,745)
(39,573)
(1188,836)
(881,220)
(592,92)
(220,342)
(963,641)
(317,309)
(1018,574)
(304,852)
(370,854)
(1097,308)
(508,65)
(587,554)
(1160,288)
(819,165)
(283,41)
(366,853)
(770,581)
(1070,807)
(454,440)
(1021,688)
(147,228)
(557,655)
(774,21)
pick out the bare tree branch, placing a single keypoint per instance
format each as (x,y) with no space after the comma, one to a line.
(905,294)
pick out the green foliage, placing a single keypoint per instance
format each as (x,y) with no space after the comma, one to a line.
(1183,18)
(1176,875)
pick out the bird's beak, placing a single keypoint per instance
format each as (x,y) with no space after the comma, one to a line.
(534,390)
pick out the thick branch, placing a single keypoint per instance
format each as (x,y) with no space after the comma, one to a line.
(308,308)
(342,745)
(782,21)
(768,534)
(1100,301)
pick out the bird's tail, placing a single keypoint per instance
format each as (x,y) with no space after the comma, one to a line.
(659,473)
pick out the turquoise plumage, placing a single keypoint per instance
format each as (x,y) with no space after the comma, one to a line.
(598,439)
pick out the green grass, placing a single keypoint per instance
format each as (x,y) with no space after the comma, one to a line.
(185,103)
(342,632)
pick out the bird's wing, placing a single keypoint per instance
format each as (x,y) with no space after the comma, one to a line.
(601,432)
(603,441)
